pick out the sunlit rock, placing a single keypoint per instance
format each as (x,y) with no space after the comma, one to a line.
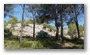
(8,26)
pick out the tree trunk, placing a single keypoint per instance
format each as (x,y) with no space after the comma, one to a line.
(76,22)
(77,29)
(61,25)
(57,37)
(62,31)
(56,24)
(33,27)
(57,30)
(22,24)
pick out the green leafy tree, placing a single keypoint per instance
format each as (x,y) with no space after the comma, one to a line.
(72,29)
(49,13)
(45,26)
(81,28)
(74,11)
(5,24)
(33,8)
(26,22)
(51,28)
(13,21)
(19,21)
(9,9)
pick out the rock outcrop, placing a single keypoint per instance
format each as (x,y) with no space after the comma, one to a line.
(28,31)
(8,26)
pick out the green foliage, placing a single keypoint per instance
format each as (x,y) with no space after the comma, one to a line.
(38,22)
(7,33)
(19,21)
(50,28)
(45,25)
(81,28)
(72,29)
(41,43)
(11,44)
(13,21)
(47,13)
(29,21)
(9,9)
(26,22)
(5,24)
(32,45)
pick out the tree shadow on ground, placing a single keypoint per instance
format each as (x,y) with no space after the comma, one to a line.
(75,43)
(44,41)
(47,40)
(74,40)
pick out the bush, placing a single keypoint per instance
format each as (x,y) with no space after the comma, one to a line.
(11,44)
(13,21)
(50,28)
(81,28)
(32,45)
(7,33)
(26,45)
(5,24)
(42,34)
(26,22)
(72,30)
(45,26)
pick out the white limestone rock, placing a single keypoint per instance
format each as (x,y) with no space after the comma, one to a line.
(8,26)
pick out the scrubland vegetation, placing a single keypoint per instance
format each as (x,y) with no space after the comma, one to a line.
(53,17)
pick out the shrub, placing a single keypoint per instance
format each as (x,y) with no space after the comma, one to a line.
(13,21)
(81,28)
(32,45)
(72,29)
(50,28)
(7,33)
(11,44)
(45,26)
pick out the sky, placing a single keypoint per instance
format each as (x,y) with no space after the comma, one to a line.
(18,13)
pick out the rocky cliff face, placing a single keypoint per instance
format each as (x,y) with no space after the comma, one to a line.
(28,30)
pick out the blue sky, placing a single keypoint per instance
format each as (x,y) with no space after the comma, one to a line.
(18,13)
